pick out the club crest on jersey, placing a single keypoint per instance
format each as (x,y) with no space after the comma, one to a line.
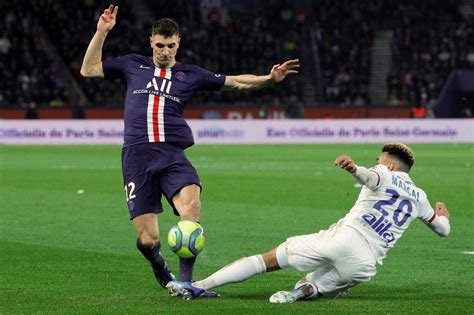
(180,76)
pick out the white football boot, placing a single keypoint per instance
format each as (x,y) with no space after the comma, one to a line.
(306,290)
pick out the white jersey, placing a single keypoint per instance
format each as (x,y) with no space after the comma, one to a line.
(383,213)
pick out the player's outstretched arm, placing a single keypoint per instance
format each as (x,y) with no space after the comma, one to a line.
(92,63)
(254,82)
(346,163)
(371,179)
(439,223)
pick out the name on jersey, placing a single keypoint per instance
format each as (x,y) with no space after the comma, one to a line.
(406,186)
(159,93)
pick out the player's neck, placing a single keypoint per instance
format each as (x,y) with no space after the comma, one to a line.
(167,66)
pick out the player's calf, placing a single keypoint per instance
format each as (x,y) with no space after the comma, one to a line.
(161,271)
(186,239)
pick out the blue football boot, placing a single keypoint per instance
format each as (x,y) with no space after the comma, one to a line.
(188,291)
(164,276)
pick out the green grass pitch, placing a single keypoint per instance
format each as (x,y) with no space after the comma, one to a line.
(63,252)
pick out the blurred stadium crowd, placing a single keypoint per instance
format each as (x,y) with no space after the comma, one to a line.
(42,44)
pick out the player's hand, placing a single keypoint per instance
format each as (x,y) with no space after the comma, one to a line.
(280,71)
(107,19)
(441,210)
(346,163)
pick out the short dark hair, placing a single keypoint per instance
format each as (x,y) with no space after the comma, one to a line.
(166,27)
(401,152)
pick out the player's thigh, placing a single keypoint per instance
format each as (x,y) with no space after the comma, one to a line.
(187,195)
(181,185)
(333,279)
(307,252)
(353,260)
(352,263)
(356,267)
(328,281)
(142,192)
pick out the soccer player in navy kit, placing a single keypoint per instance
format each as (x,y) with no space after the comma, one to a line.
(156,134)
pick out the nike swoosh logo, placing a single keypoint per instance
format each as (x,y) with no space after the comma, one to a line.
(143,67)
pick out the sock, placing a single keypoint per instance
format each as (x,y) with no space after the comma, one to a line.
(186,266)
(157,261)
(307,291)
(237,271)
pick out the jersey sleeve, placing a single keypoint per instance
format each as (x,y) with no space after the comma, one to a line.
(210,80)
(425,211)
(373,177)
(113,68)
(439,224)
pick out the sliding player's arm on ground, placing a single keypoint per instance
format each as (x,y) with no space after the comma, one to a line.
(255,82)
(369,178)
(437,221)
(92,63)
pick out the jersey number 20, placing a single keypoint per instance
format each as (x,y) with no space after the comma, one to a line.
(404,207)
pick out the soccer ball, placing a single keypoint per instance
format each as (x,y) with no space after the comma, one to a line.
(186,239)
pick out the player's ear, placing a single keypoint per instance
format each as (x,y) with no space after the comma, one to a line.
(391,166)
(179,41)
(151,42)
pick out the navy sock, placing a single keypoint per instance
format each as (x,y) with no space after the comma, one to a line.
(186,266)
(152,254)
(157,261)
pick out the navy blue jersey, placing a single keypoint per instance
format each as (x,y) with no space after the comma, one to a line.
(156,97)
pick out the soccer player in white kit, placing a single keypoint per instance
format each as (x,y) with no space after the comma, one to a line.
(347,253)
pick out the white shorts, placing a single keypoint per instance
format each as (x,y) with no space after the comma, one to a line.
(340,257)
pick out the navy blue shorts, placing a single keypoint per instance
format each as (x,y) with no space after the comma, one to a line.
(152,170)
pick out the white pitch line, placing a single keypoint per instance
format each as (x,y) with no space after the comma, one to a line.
(468,253)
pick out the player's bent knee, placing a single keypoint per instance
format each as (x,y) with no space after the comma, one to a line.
(193,206)
(191,211)
(148,240)
(190,215)
(281,256)
(270,260)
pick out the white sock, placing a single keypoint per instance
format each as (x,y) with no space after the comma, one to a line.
(237,271)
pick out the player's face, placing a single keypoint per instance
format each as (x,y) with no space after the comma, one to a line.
(164,49)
